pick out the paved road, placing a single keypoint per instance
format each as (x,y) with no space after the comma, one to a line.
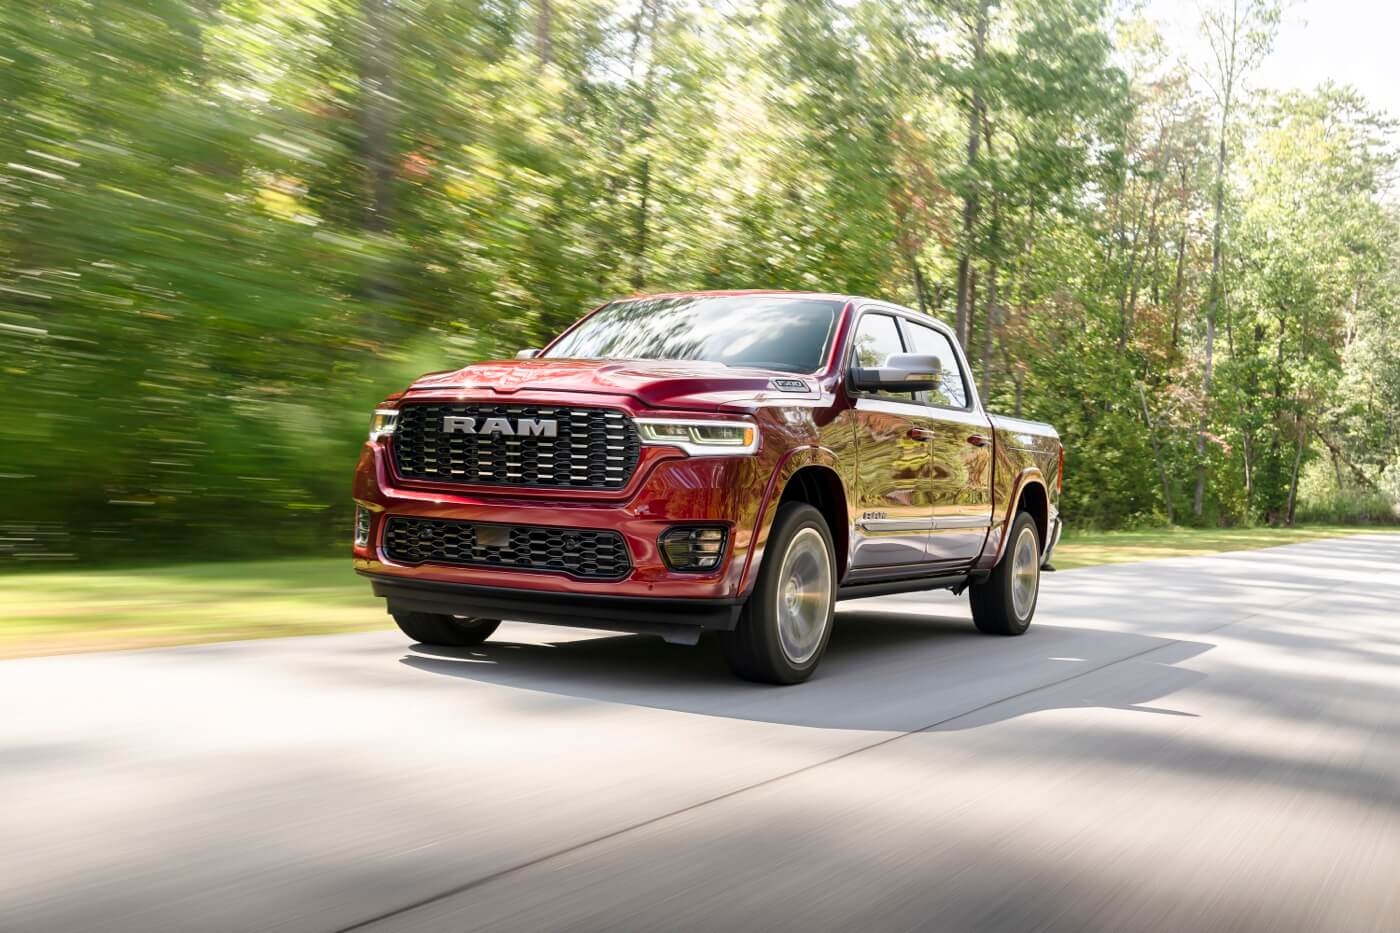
(1197,744)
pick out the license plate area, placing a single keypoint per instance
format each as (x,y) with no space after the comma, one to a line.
(492,536)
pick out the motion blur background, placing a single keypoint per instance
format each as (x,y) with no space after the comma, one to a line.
(229,227)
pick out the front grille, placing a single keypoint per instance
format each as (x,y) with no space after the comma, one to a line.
(594,448)
(587,553)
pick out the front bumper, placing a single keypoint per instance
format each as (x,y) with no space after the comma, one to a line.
(669,490)
(684,619)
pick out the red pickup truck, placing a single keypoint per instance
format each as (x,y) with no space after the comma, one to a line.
(729,461)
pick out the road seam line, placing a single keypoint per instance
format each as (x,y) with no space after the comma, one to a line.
(650,821)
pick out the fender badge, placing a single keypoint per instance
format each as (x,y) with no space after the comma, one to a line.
(790,385)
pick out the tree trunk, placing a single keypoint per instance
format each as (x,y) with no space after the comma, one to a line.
(544,39)
(1297,462)
(989,328)
(1247,443)
(920,285)
(1212,309)
(1349,334)
(641,221)
(1135,280)
(639,242)
(1176,289)
(972,304)
(1127,288)
(1362,480)
(990,318)
(963,322)
(1157,454)
(1274,454)
(376,114)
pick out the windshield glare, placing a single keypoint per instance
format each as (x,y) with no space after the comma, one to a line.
(765,332)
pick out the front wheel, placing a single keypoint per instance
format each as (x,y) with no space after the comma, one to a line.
(786,623)
(1005,602)
(428,628)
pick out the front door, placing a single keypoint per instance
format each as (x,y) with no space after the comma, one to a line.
(893,439)
(961,469)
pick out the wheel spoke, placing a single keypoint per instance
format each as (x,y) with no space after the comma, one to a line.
(804,596)
(1025,573)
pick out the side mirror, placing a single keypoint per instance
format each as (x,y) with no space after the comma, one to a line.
(902,372)
(529,354)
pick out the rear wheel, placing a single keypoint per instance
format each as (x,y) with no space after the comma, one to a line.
(786,623)
(1005,602)
(452,631)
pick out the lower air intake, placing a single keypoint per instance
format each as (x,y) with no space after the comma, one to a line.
(580,552)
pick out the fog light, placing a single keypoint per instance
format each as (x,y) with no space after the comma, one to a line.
(693,548)
(361,526)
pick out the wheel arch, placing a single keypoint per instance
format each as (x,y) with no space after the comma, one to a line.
(820,486)
(1032,496)
(1035,500)
(807,475)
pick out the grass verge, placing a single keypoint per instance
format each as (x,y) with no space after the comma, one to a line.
(1086,549)
(62,611)
(59,611)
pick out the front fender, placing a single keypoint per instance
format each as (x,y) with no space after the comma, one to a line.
(794,460)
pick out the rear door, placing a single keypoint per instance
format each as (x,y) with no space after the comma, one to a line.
(894,507)
(961,451)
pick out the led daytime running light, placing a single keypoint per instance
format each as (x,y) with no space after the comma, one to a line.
(700,438)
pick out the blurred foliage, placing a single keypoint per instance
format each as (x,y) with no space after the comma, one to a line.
(228,227)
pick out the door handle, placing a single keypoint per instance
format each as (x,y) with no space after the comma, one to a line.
(979,440)
(920,434)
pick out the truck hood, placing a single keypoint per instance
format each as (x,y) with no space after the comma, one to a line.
(656,384)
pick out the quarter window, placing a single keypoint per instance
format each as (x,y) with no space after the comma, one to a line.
(929,342)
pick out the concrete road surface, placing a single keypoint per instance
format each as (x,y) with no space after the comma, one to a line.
(1193,744)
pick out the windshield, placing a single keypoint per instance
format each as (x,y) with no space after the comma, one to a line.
(767,332)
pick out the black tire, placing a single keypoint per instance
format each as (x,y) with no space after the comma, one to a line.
(756,648)
(427,628)
(995,610)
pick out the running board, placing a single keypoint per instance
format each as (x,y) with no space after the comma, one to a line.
(953,581)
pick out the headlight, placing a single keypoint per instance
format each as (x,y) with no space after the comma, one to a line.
(383,422)
(700,438)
